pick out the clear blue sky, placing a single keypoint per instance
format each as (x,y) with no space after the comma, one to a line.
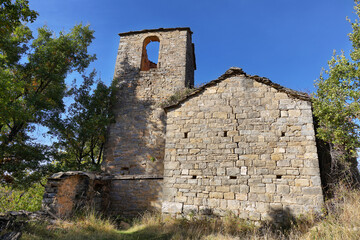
(288,41)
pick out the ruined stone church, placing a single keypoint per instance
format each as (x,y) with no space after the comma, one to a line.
(239,144)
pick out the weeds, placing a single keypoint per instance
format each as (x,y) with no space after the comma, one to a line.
(178,96)
(341,221)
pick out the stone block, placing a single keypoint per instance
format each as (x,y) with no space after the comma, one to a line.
(283,163)
(277,157)
(258,189)
(216,195)
(302,182)
(316,181)
(241,196)
(213,202)
(223,188)
(270,188)
(280,95)
(283,189)
(172,207)
(311,155)
(232,171)
(292,172)
(221,115)
(243,170)
(294,113)
(181,199)
(312,190)
(310,171)
(229,196)
(244,189)
(190,209)
(233,204)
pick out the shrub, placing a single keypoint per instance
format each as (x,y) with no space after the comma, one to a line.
(12,199)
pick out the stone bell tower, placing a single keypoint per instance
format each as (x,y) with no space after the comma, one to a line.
(134,151)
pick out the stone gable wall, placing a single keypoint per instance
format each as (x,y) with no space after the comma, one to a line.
(241,146)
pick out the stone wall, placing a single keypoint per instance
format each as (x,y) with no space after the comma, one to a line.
(135,194)
(241,144)
(68,192)
(136,141)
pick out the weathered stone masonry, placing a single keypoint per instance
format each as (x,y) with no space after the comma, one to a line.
(66,193)
(134,151)
(239,143)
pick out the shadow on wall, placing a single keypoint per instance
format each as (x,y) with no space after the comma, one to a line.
(136,141)
(282,218)
(135,145)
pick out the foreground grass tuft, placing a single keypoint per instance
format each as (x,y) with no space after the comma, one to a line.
(343,218)
(341,221)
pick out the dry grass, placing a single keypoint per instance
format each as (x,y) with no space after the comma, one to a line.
(341,221)
(343,218)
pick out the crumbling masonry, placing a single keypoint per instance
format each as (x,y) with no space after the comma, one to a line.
(239,143)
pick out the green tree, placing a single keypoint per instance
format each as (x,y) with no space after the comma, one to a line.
(337,107)
(81,133)
(13,32)
(32,85)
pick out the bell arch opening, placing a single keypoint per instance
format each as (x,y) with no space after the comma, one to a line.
(150,53)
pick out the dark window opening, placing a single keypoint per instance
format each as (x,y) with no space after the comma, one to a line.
(150,53)
(278,176)
(194,177)
(232,177)
(283,134)
(185,135)
(225,133)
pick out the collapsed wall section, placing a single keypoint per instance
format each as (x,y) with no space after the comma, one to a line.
(69,192)
(242,146)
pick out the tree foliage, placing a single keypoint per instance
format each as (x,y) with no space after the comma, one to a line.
(32,84)
(337,105)
(81,132)
(14,34)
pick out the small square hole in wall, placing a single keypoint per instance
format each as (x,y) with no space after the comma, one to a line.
(283,134)
(232,177)
(194,177)
(185,134)
(278,176)
(225,133)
